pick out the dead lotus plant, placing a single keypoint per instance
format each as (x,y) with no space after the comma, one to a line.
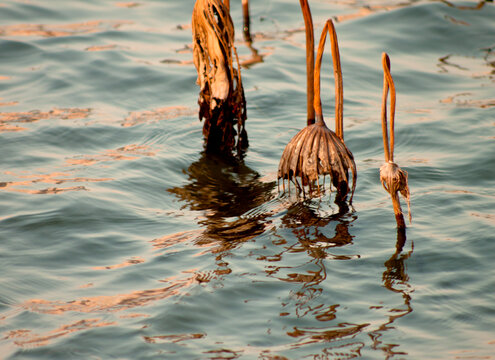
(221,99)
(316,150)
(392,177)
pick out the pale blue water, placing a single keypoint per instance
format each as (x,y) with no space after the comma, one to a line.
(120,239)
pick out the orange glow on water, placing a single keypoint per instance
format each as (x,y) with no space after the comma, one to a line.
(8,120)
(129,262)
(47,30)
(55,178)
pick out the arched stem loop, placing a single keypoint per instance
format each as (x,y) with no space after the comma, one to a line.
(337,71)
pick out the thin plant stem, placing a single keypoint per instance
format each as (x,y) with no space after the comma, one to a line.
(247,21)
(337,70)
(310,59)
(390,82)
(386,146)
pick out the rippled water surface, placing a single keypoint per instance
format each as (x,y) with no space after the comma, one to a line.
(120,238)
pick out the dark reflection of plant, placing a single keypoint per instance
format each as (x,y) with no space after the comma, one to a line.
(246,30)
(395,279)
(478,6)
(306,223)
(224,189)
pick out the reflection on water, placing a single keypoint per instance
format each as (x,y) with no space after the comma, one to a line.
(223,190)
(150,116)
(220,266)
(308,226)
(124,153)
(478,6)
(9,118)
(52,30)
(26,338)
(23,186)
(395,279)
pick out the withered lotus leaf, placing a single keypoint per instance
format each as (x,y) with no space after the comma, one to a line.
(221,98)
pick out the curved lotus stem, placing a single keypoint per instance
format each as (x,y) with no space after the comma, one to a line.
(386,145)
(310,59)
(388,81)
(337,70)
(392,177)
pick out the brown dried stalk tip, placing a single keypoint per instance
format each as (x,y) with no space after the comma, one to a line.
(316,150)
(221,98)
(392,177)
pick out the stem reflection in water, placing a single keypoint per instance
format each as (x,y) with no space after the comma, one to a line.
(235,204)
(256,57)
(395,279)
(305,222)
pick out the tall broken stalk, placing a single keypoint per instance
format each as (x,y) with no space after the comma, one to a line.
(221,98)
(392,177)
(316,150)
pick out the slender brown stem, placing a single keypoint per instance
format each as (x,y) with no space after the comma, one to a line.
(310,59)
(392,112)
(339,88)
(399,218)
(390,82)
(227,4)
(247,21)
(337,70)
(386,146)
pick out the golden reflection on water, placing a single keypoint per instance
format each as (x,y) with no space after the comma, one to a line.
(111,303)
(26,338)
(9,118)
(128,152)
(128,4)
(57,30)
(155,115)
(53,178)
(101,47)
(173,338)
(129,262)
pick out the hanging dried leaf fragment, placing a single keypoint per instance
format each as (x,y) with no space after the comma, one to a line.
(392,177)
(221,98)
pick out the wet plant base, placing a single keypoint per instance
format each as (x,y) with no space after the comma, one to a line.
(221,99)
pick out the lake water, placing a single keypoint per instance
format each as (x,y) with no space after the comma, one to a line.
(121,239)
